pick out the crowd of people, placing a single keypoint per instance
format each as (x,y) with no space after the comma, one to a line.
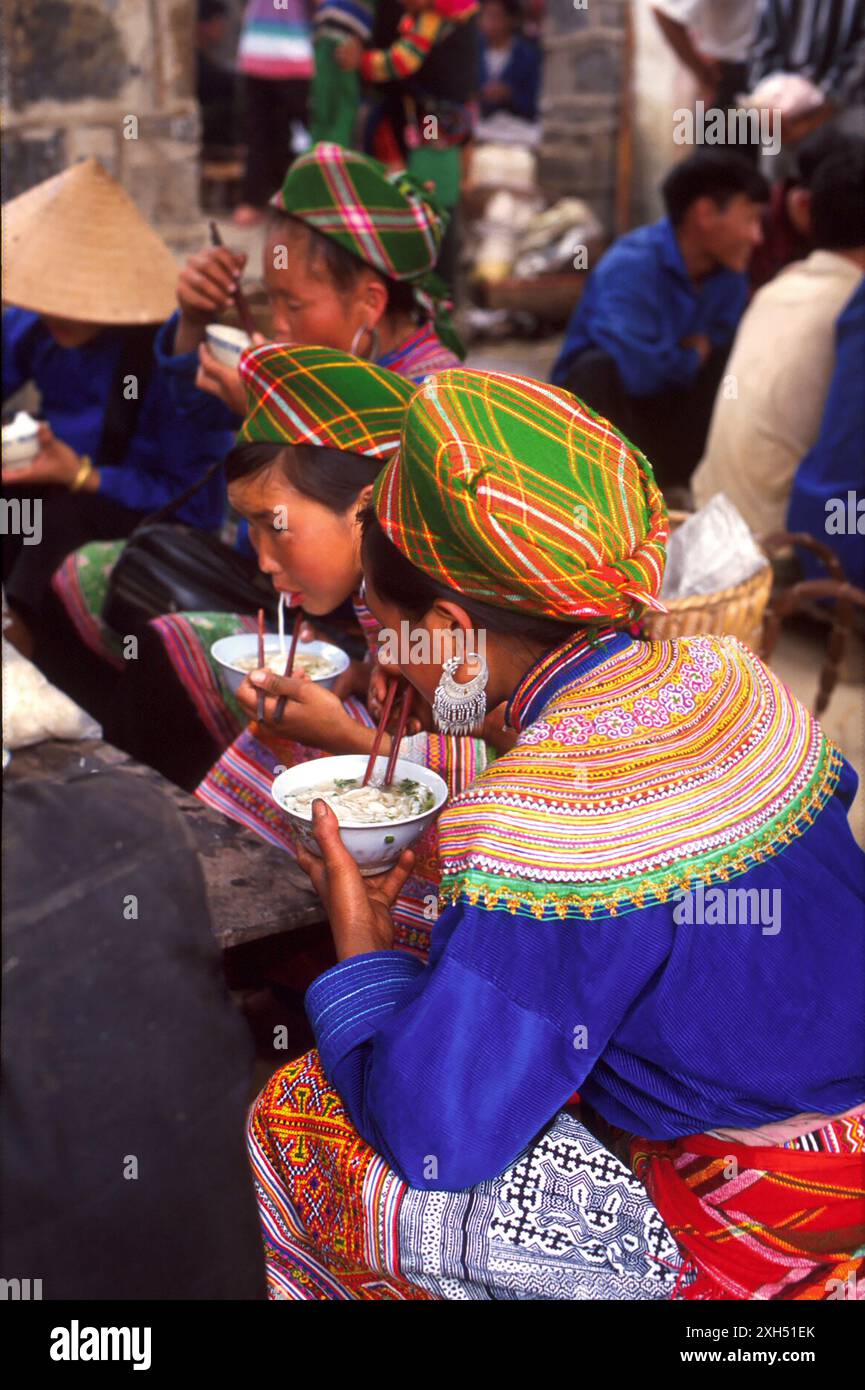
(532,1090)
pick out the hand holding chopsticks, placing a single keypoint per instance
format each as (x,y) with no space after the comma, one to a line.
(244,312)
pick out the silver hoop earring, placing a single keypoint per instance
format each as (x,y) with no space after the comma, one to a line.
(458,709)
(373,342)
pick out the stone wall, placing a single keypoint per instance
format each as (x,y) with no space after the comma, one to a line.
(110,78)
(583,47)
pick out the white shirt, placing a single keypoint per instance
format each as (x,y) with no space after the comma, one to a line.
(720,28)
(768,410)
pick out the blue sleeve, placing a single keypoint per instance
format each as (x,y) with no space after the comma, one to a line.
(18,326)
(729,303)
(524,80)
(827,499)
(623,317)
(179,374)
(449,1070)
(168,452)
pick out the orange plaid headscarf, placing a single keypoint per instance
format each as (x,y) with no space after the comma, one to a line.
(514,493)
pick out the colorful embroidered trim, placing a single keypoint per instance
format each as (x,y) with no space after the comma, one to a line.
(669,764)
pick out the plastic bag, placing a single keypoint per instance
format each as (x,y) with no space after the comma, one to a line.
(34,709)
(712,550)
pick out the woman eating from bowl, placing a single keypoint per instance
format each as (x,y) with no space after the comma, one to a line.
(347,263)
(319,427)
(88,282)
(654,900)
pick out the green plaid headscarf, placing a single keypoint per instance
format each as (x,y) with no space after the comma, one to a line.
(512,492)
(388,221)
(317,395)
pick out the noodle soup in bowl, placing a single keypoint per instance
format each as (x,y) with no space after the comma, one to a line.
(376,823)
(238,655)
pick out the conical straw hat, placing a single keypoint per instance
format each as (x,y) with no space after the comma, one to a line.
(76,247)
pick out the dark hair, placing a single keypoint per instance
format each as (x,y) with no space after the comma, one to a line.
(333,477)
(344,269)
(838,200)
(719,175)
(413,592)
(817,147)
(512,8)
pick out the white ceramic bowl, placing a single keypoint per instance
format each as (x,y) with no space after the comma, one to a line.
(20,442)
(229,650)
(226,343)
(373,847)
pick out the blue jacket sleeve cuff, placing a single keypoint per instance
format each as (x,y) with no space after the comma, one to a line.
(348,1003)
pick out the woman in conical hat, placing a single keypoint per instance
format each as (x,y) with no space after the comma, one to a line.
(654,899)
(347,261)
(90,282)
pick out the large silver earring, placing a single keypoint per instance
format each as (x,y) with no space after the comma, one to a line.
(458,709)
(373,342)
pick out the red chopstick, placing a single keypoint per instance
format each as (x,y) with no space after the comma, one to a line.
(402,720)
(379,733)
(259,704)
(289,665)
(244,312)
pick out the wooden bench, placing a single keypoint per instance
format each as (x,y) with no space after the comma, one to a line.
(255,891)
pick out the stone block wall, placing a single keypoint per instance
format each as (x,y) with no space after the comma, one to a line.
(110,78)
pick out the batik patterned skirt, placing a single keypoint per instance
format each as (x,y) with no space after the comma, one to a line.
(566,1220)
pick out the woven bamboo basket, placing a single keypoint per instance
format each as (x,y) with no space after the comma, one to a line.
(736,612)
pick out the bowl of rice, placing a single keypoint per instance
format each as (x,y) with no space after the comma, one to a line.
(237,656)
(376,823)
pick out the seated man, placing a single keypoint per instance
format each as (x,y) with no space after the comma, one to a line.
(782,360)
(647,343)
(824,500)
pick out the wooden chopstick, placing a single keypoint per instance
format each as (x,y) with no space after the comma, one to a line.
(259,703)
(379,733)
(244,312)
(289,665)
(402,720)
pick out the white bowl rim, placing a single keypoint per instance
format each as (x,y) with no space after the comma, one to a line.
(270,637)
(375,825)
(231,336)
(25,438)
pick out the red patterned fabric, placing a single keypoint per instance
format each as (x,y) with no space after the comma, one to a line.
(762,1223)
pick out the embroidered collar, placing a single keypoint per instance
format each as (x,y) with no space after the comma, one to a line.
(559,668)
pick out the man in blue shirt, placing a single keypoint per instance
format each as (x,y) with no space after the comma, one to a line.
(647,343)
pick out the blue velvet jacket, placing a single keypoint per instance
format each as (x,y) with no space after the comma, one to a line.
(640,768)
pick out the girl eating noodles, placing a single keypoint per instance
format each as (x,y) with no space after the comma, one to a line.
(319,427)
